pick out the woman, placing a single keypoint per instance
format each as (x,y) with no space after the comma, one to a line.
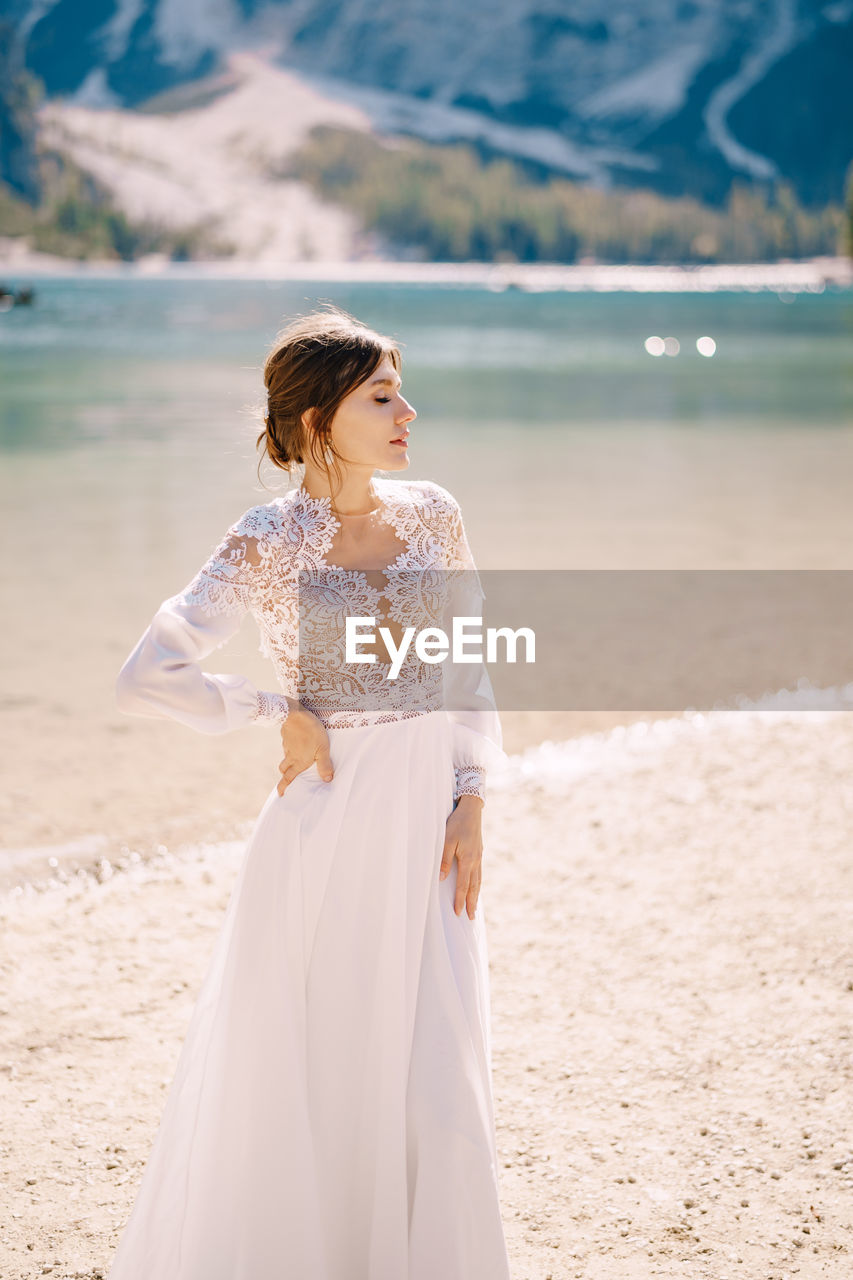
(331,1113)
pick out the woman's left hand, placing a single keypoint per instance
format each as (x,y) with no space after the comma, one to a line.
(463,839)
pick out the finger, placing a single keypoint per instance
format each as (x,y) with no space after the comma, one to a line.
(288,773)
(446,858)
(472,895)
(325,767)
(463,882)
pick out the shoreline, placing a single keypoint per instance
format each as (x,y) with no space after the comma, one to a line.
(803,276)
(552,767)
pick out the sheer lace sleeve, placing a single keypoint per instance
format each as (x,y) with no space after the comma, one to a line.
(469,698)
(163,677)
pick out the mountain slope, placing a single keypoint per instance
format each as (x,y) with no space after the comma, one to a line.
(19,96)
(214,161)
(684,95)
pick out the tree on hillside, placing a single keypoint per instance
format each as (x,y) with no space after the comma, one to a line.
(449,204)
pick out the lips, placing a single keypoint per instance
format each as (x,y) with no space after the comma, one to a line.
(399,439)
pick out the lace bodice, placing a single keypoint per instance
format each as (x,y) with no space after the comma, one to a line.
(274,563)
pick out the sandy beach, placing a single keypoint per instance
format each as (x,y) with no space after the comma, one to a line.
(668,910)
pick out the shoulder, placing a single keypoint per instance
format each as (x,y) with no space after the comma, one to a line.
(261,521)
(423,493)
(263,516)
(247,539)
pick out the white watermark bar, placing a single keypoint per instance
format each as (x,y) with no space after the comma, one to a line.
(572,640)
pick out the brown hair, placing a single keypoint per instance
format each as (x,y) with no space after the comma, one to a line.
(314,362)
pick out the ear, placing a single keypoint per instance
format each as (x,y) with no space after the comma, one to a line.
(308,417)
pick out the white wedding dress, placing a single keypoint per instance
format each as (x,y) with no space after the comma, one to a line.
(331,1114)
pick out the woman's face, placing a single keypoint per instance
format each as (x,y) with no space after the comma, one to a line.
(369,421)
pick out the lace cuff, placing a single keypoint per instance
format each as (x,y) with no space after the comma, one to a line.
(470,781)
(272,708)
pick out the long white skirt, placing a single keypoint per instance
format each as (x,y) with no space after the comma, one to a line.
(331,1114)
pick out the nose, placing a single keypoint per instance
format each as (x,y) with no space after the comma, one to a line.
(408,414)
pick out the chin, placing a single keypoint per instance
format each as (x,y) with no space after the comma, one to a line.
(397,463)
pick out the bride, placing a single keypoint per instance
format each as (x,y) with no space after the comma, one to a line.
(331,1114)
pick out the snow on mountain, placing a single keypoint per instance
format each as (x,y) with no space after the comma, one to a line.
(186,29)
(779,35)
(655,92)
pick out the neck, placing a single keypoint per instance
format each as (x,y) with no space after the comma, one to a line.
(356,496)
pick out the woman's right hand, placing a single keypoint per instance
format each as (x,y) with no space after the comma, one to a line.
(304,740)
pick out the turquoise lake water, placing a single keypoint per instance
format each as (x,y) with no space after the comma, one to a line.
(130,408)
(124,399)
(96,361)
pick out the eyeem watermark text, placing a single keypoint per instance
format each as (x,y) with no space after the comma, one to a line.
(432,644)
